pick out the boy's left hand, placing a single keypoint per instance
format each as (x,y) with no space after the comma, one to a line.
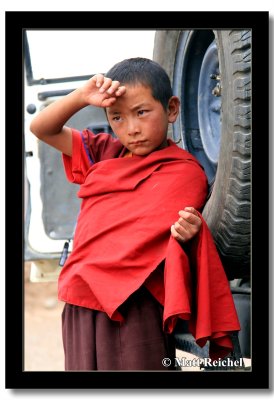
(187,226)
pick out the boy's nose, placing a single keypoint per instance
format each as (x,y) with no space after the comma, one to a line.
(133,127)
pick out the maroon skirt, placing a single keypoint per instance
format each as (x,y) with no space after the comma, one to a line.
(92,341)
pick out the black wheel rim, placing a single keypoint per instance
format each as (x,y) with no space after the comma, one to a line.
(196,81)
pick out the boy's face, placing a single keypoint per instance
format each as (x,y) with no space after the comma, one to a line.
(139,121)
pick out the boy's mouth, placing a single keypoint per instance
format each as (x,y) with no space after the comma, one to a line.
(137,142)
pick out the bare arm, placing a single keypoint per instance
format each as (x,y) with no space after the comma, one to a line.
(49,125)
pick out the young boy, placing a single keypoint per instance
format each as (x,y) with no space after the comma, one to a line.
(119,281)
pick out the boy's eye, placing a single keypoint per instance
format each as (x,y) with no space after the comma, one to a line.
(117,118)
(141,112)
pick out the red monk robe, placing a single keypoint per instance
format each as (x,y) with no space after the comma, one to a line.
(123,235)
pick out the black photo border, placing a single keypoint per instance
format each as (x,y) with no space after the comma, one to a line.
(16,377)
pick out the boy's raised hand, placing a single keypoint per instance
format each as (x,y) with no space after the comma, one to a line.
(187,226)
(100,91)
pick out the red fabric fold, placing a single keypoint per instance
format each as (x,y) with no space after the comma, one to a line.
(197,289)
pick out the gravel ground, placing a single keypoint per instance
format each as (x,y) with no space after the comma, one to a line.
(42,333)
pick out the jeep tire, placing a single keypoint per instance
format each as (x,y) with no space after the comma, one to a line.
(210,72)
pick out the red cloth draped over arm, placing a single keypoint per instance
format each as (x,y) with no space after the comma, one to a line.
(197,289)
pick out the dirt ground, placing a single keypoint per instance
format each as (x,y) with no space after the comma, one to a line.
(42,332)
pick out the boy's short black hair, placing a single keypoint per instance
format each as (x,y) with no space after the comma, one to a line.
(146,72)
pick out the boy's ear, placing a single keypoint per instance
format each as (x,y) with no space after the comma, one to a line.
(173,108)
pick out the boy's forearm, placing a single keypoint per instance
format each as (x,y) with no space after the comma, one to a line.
(49,124)
(51,120)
